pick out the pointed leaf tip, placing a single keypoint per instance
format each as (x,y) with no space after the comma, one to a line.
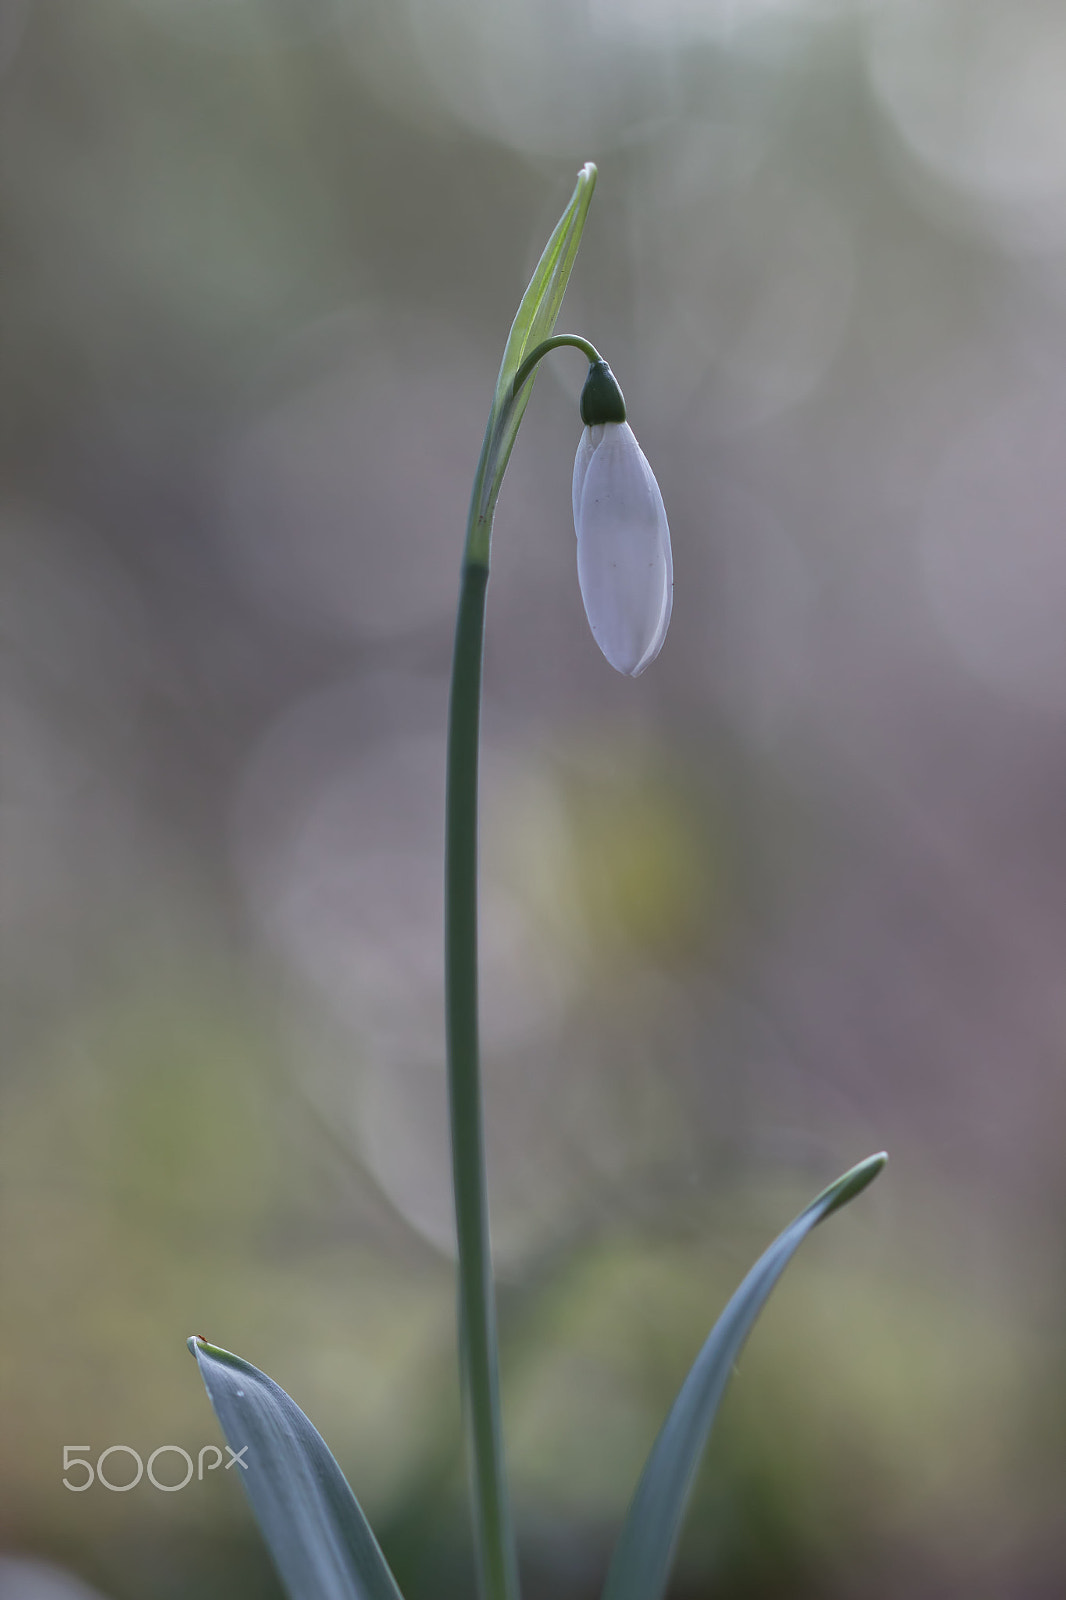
(643,1555)
(849,1185)
(314,1527)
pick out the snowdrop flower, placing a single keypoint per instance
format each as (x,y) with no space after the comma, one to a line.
(624,563)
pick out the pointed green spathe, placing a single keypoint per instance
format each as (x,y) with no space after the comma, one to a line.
(532,325)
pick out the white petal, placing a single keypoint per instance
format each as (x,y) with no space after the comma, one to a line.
(590,438)
(624,563)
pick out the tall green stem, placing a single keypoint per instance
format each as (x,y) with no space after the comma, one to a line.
(478,1358)
(477,1307)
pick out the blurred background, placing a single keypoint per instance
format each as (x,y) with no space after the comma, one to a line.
(796,894)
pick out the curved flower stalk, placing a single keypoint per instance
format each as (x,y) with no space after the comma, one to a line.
(624,562)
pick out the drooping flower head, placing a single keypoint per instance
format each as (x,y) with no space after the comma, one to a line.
(624,562)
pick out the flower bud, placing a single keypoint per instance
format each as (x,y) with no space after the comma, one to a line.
(624,564)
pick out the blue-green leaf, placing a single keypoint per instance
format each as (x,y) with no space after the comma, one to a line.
(642,1557)
(533,323)
(313,1525)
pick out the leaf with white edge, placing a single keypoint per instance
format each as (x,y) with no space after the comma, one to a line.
(644,1552)
(533,323)
(313,1525)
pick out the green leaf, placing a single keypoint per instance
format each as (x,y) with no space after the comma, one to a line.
(643,1555)
(313,1525)
(534,322)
